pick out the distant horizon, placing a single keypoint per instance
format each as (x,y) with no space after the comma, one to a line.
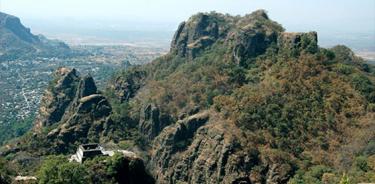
(347,22)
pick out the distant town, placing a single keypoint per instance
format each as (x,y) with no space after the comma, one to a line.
(23,81)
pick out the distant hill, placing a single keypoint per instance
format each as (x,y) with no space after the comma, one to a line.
(16,41)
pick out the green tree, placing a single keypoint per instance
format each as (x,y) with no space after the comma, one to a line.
(6,171)
(58,170)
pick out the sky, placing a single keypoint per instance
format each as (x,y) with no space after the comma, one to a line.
(329,17)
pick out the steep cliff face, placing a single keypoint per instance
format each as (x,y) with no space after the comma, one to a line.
(57,98)
(18,42)
(126,86)
(152,122)
(13,24)
(198,33)
(247,36)
(203,148)
(76,109)
(254,34)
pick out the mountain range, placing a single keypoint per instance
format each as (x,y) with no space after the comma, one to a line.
(236,100)
(16,41)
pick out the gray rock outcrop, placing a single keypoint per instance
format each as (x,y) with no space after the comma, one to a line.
(57,98)
(152,122)
(197,150)
(76,108)
(198,33)
(126,85)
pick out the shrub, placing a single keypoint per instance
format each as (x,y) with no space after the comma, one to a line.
(344,68)
(361,163)
(58,170)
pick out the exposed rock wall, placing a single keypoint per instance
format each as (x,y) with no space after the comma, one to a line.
(57,98)
(126,86)
(198,33)
(152,122)
(17,42)
(74,104)
(198,150)
(247,36)
(14,25)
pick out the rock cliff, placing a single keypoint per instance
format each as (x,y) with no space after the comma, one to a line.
(152,122)
(126,86)
(247,36)
(57,98)
(75,108)
(198,33)
(13,24)
(202,148)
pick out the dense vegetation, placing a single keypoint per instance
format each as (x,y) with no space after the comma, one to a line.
(15,129)
(116,169)
(308,109)
(317,107)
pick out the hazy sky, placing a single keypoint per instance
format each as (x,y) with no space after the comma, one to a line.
(341,16)
(353,12)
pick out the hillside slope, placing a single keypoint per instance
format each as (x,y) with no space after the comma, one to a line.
(276,107)
(237,100)
(16,41)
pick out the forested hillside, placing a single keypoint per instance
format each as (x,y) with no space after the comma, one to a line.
(236,100)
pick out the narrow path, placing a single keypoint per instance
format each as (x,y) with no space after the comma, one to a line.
(23,92)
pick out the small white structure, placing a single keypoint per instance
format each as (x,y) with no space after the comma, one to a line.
(25,179)
(85,151)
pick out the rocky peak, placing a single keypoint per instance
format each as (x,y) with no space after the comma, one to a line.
(248,36)
(57,97)
(198,33)
(255,32)
(259,13)
(65,78)
(76,107)
(87,87)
